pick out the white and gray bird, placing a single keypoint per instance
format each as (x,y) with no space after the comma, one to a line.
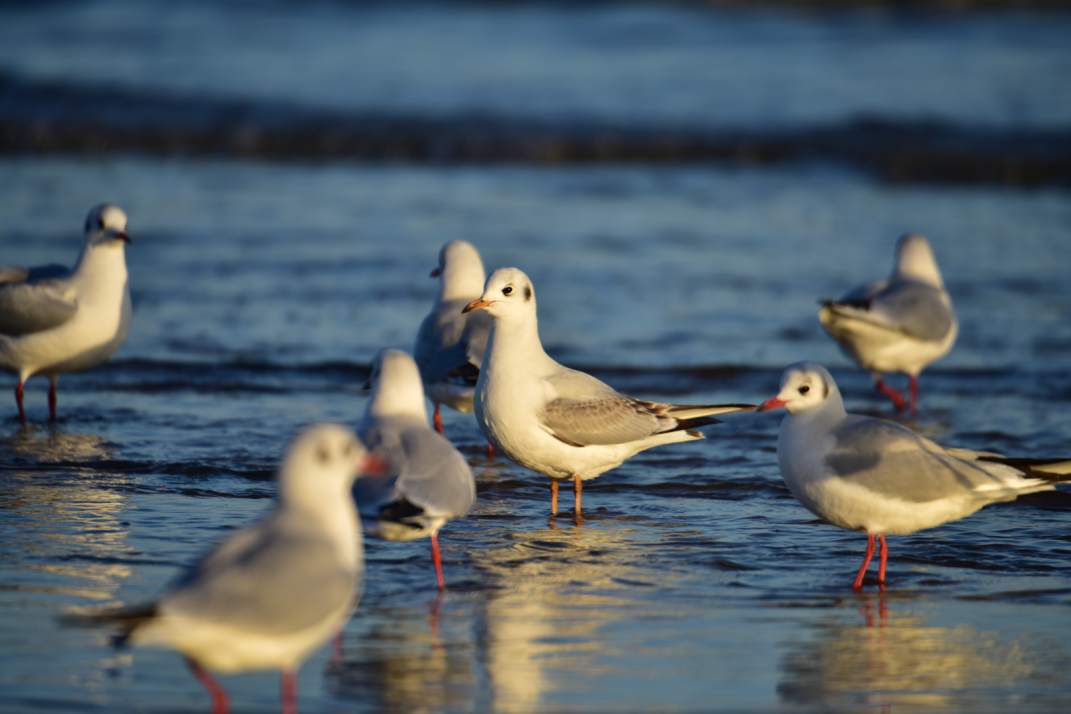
(271,593)
(877,477)
(557,421)
(450,345)
(900,324)
(427,482)
(54,320)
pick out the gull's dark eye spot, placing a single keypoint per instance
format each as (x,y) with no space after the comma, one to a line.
(100,223)
(804,389)
(322,455)
(508,290)
(527,293)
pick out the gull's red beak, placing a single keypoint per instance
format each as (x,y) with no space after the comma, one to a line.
(769,404)
(372,465)
(477,304)
(367,384)
(436,273)
(123,237)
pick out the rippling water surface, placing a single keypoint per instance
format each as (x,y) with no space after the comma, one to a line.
(695,581)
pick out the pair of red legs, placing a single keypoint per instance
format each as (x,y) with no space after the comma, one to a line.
(220,704)
(51,401)
(858,584)
(898,398)
(578,490)
(438,420)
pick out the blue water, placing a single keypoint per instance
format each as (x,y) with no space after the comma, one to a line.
(696,582)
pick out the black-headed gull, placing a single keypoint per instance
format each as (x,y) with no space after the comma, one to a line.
(269,594)
(450,345)
(877,477)
(426,481)
(557,421)
(900,324)
(54,320)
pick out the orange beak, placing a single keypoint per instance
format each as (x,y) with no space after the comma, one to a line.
(773,403)
(436,273)
(477,305)
(123,237)
(372,465)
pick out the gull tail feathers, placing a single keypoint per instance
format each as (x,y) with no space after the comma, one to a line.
(127,619)
(688,412)
(1048,470)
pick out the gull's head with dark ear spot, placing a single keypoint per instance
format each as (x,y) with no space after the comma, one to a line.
(506,291)
(805,387)
(106,225)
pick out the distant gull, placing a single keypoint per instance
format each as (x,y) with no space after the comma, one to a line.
(557,421)
(450,345)
(271,593)
(54,320)
(876,477)
(900,324)
(427,481)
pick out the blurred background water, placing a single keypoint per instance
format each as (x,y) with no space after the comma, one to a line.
(266,272)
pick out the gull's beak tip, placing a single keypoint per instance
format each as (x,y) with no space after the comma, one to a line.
(477,304)
(772,403)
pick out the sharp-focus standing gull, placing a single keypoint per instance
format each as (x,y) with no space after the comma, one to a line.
(54,320)
(554,420)
(900,324)
(450,345)
(269,594)
(427,481)
(876,477)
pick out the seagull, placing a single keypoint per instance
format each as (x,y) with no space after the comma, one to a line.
(557,421)
(54,320)
(450,345)
(271,593)
(877,477)
(427,482)
(900,324)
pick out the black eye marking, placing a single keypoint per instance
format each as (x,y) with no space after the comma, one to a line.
(322,455)
(804,389)
(826,393)
(527,293)
(100,223)
(508,290)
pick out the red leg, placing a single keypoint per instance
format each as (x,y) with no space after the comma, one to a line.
(578,489)
(218,694)
(490,451)
(18,400)
(881,560)
(52,402)
(893,394)
(914,391)
(289,691)
(554,496)
(437,559)
(858,584)
(438,420)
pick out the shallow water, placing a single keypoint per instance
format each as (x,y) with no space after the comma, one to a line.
(695,581)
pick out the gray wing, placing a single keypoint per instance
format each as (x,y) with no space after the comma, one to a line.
(894,461)
(587,411)
(266,579)
(374,493)
(914,308)
(450,345)
(436,477)
(34,306)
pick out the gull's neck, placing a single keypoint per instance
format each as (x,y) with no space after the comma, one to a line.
(400,398)
(461,280)
(100,272)
(513,345)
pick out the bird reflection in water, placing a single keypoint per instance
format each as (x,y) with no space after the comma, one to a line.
(892,658)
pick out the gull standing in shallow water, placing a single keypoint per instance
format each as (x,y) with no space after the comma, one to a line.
(269,594)
(450,345)
(900,324)
(54,320)
(557,421)
(427,481)
(876,477)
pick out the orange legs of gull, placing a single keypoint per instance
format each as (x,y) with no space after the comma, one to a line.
(893,394)
(554,497)
(18,400)
(219,696)
(436,558)
(289,687)
(490,451)
(52,401)
(914,391)
(438,420)
(578,489)
(858,584)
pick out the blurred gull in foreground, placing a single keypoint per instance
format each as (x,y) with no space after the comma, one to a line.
(54,320)
(900,324)
(557,421)
(269,594)
(427,481)
(876,477)
(450,345)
